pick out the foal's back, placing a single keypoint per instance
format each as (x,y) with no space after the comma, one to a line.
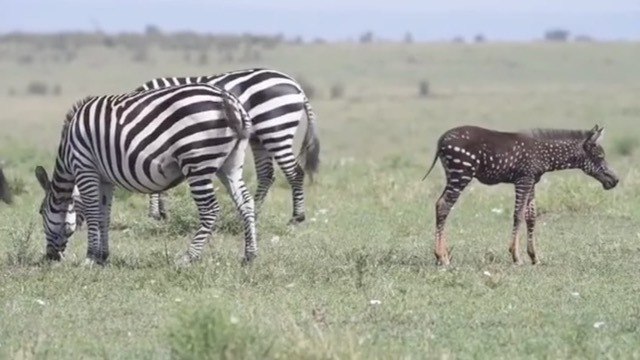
(489,155)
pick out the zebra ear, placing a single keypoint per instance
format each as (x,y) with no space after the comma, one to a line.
(43,178)
(596,134)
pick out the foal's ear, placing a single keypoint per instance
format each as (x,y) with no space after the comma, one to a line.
(43,178)
(596,135)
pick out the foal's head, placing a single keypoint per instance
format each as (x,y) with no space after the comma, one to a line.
(594,163)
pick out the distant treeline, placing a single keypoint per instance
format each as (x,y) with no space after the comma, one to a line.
(188,40)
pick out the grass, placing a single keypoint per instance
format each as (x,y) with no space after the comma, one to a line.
(357,280)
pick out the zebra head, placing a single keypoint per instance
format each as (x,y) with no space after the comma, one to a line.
(594,163)
(53,211)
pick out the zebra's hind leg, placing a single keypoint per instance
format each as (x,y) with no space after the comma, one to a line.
(231,176)
(205,198)
(106,198)
(157,210)
(523,189)
(264,171)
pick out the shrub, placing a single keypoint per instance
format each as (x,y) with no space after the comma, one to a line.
(140,55)
(57,90)
(203,58)
(37,88)
(211,333)
(336,91)
(423,89)
(625,146)
(17,186)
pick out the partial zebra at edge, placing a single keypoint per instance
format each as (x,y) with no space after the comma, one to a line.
(5,190)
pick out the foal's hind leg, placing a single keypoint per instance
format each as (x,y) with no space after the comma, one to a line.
(524,186)
(530,217)
(457,180)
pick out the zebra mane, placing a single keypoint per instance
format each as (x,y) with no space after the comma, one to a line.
(71,113)
(557,134)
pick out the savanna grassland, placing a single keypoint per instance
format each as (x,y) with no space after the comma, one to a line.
(358,279)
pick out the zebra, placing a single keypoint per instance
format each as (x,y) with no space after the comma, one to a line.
(146,142)
(521,159)
(5,191)
(275,103)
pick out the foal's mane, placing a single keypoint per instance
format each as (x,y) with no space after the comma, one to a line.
(557,134)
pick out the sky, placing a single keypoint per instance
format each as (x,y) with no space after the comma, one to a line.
(332,19)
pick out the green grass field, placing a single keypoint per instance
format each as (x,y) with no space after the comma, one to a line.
(358,279)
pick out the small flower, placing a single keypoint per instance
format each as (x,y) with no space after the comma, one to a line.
(234,320)
(275,239)
(598,324)
(575,294)
(375,302)
(497,211)
(40,302)
(487,273)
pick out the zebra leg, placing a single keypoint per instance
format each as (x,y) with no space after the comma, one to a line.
(106,198)
(90,190)
(231,176)
(205,198)
(156,206)
(456,182)
(530,218)
(523,189)
(264,170)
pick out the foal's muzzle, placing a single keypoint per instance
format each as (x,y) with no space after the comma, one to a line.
(609,181)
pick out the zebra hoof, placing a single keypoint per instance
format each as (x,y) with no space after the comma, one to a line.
(297,219)
(184,261)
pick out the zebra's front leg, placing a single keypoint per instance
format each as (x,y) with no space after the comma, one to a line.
(530,217)
(264,171)
(90,190)
(106,199)
(204,196)
(523,188)
(231,176)
(157,210)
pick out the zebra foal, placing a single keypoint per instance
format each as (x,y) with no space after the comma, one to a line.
(521,159)
(146,142)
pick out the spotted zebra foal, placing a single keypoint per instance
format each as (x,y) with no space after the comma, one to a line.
(146,142)
(494,157)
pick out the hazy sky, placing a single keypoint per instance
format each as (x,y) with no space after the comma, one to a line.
(332,19)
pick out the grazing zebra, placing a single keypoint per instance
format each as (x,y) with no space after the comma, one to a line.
(148,142)
(517,158)
(5,192)
(275,103)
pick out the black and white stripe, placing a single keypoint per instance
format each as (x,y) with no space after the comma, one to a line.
(276,104)
(148,142)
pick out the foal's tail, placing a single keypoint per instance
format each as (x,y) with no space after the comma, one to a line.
(435,158)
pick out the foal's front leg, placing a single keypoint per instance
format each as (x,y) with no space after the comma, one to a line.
(524,186)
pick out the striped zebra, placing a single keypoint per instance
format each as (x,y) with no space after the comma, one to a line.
(148,142)
(276,104)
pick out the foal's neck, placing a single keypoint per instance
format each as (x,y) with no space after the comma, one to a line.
(560,154)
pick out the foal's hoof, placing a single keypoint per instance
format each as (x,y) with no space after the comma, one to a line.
(297,219)
(248,258)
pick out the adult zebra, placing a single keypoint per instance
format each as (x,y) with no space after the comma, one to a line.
(146,142)
(275,103)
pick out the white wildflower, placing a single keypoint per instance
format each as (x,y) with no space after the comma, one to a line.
(375,302)
(487,273)
(598,324)
(497,211)
(275,239)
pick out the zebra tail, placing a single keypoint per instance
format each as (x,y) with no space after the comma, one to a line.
(237,117)
(5,192)
(310,144)
(435,158)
